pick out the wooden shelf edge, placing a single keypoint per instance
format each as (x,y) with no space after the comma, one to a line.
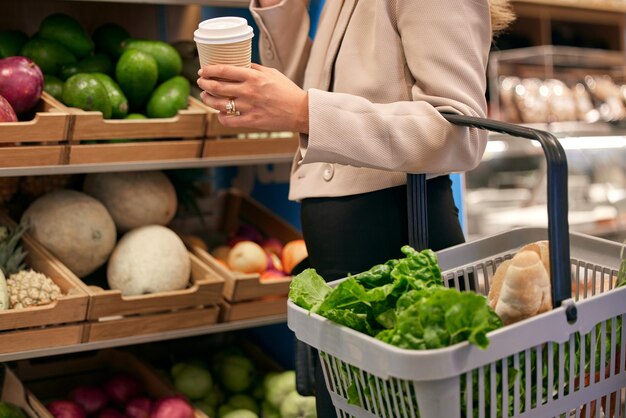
(141,339)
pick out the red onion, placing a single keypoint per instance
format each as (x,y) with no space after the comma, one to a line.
(90,398)
(21,83)
(122,388)
(65,409)
(111,413)
(139,408)
(172,407)
(7,114)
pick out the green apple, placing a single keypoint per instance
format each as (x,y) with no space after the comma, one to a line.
(268,411)
(224,410)
(237,373)
(215,396)
(241,401)
(296,406)
(191,380)
(240,413)
(279,387)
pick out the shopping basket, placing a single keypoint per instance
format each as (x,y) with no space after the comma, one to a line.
(568,362)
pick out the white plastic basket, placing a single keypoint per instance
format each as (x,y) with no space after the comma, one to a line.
(568,362)
(430,383)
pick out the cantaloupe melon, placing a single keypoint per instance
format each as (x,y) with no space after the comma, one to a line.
(75,227)
(149,259)
(134,199)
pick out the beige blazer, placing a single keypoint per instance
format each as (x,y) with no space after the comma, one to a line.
(377,75)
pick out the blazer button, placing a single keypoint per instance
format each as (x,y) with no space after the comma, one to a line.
(329,172)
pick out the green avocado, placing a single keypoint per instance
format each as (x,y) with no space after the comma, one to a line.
(135,116)
(169,97)
(119,103)
(50,56)
(12,42)
(86,92)
(108,39)
(167,57)
(136,73)
(68,70)
(53,86)
(8,410)
(68,32)
(98,63)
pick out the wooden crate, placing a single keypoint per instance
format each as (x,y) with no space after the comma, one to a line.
(150,323)
(40,338)
(240,286)
(46,325)
(165,139)
(239,311)
(135,152)
(188,123)
(39,141)
(13,391)
(223,142)
(205,290)
(48,379)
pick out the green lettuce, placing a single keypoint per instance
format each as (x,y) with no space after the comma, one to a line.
(402,302)
(308,289)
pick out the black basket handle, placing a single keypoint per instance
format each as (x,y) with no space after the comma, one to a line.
(558,230)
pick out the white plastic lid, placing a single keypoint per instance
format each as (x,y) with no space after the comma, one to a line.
(223,30)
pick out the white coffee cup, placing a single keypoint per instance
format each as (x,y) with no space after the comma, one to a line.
(224,40)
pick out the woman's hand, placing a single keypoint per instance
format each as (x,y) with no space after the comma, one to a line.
(268,3)
(264,97)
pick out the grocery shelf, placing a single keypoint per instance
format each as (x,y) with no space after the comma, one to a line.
(145,165)
(141,339)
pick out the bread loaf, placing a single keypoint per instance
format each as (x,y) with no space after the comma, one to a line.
(496,283)
(525,288)
(542,248)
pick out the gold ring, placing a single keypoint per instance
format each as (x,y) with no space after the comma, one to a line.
(231,109)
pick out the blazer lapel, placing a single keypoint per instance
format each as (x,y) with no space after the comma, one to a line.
(327,42)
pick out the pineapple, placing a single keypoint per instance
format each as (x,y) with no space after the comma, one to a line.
(24,288)
(35,186)
(8,188)
(11,253)
(29,288)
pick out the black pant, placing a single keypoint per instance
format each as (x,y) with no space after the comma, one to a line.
(353,233)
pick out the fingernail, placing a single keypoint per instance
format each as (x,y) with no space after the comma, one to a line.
(200,72)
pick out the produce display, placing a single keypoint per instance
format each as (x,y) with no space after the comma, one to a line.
(21,287)
(249,251)
(109,72)
(231,385)
(8,410)
(118,396)
(81,230)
